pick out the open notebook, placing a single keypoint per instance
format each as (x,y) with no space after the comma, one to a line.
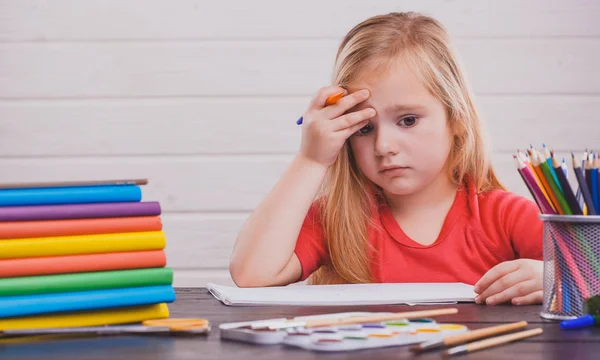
(351,294)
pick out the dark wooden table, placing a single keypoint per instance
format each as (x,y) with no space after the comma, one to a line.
(554,343)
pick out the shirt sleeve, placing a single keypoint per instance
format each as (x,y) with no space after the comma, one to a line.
(521,218)
(310,246)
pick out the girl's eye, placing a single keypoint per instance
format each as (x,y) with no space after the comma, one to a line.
(365,130)
(408,121)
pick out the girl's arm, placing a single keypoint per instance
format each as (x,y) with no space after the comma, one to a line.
(263,254)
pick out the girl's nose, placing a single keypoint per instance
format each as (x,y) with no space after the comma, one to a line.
(384,145)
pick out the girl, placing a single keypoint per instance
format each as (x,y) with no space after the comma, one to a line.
(407,190)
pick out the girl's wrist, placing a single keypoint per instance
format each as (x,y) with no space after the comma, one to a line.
(303,162)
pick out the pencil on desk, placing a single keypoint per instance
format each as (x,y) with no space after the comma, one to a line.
(330,101)
(487,343)
(468,336)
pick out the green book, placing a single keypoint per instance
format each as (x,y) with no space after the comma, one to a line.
(45,284)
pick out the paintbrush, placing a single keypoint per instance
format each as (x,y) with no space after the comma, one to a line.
(468,336)
(333,321)
(487,343)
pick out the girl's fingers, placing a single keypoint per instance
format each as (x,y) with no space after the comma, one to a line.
(345,103)
(318,102)
(349,120)
(354,128)
(494,274)
(534,298)
(516,291)
(501,284)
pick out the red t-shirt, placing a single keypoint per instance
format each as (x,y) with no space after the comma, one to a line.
(479,232)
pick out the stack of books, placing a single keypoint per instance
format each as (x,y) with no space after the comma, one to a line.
(81,254)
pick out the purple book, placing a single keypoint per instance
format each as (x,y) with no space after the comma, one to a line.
(79,211)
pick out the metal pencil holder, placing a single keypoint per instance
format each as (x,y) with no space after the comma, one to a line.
(571,264)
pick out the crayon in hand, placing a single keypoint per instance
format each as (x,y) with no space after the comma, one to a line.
(330,101)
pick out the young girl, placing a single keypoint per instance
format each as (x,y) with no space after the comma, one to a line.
(407,190)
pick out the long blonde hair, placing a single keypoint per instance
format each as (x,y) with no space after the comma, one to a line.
(346,210)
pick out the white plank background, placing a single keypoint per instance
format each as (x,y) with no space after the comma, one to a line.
(201,97)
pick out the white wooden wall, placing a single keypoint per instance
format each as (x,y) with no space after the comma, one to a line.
(201,97)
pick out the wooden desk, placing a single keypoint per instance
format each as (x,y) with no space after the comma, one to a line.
(552,344)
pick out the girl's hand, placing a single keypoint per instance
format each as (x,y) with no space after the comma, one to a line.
(518,281)
(325,129)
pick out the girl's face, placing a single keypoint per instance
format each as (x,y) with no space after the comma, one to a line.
(405,146)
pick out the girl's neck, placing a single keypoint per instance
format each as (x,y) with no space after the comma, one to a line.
(440,192)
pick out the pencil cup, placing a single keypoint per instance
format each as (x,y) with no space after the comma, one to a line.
(571,264)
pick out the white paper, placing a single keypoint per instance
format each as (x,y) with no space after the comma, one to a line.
(350,294)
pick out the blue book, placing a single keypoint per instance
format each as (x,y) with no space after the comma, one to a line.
(70,195)
(27,305)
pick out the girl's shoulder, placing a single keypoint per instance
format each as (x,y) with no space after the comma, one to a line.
(501,201)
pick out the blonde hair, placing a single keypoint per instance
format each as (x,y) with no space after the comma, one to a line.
(347,202)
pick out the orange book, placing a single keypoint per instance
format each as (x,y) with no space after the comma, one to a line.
(33,266)
(89,226)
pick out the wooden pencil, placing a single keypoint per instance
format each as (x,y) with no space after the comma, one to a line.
(534,188)
(554,186)
(495,341)
(588,173)
(535,162)
(525,159)
(585,191)
(566,188)
(548,154)
(594,182)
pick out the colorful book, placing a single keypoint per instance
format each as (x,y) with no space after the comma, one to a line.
(81,244)
(13,306)
(113,316)
(70,195)
(79,211)
(82,263)
(46,228)
(47,284)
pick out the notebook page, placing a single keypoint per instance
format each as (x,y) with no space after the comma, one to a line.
(347,294)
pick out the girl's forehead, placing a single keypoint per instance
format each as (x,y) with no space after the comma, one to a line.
(398,80)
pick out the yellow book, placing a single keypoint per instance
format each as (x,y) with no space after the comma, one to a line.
(124,315)
(81,244)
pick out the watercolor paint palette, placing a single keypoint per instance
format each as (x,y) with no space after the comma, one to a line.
(341,338)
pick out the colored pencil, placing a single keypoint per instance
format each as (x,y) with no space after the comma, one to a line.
(536,163)
(554,187)
(585,191)
(548,155)
(526,160)
(330,101)
(594,181)
(566,188)
(534,188)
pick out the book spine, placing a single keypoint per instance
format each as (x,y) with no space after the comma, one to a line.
(70,195)
(48,228)
(32,285)
(13,306)
(81,244)
(122,315)
(82,263)
(79,211)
